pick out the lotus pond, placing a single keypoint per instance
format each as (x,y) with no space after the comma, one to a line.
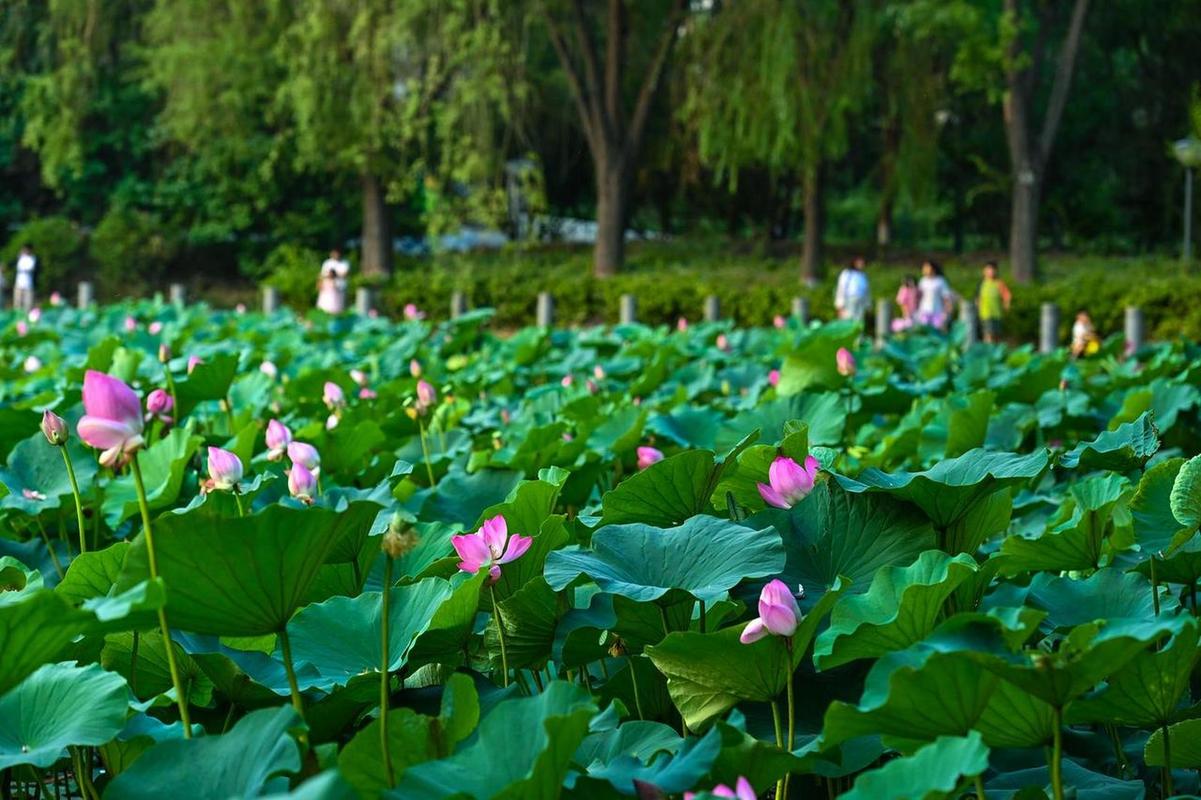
(250,556)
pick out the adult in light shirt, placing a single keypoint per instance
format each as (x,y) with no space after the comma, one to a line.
(331,286)
(936,297)
(27,264)
(853,295)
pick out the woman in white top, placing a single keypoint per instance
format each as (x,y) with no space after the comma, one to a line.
(27,263)
(331,286)
(853,296)
(935,299)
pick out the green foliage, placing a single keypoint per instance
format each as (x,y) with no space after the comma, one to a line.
(131,249)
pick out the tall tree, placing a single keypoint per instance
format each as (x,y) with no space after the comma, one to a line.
(1029,29)
(599,87)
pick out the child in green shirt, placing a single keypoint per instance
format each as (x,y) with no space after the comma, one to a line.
(992,300)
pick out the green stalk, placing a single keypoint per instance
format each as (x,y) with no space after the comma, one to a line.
(775,718)
(238,501)
(83,544)
(634,682)
(285,645)
(663,619)
(133,665)
(58,567)
(500,635)
(384,677)
(425,451)
(1056,764)
(181,699)
(1168,789)
(702,620)
(791,717)
(979,787)
(1154,586)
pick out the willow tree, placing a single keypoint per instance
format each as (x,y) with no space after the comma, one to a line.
(775,84)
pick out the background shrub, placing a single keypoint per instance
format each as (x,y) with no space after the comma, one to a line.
(59,246)
(131,251)
(293,270)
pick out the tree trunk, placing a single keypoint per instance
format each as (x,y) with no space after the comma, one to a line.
(377,232)
(1023,227)
(812,268)
(611,199)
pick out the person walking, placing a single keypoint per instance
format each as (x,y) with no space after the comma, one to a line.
(331,285)
(852,296)
(992,299)
(27,264)
(935,297)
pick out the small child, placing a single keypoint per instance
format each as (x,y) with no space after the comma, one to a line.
(907,299)
(992,299)
(1085,341)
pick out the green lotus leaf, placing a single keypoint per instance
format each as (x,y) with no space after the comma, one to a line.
(705,557)
(825,414)
(1127,447)
(149,674)
(340,637)
(163,465)
(935,771)
(551,724)
(902,605)
(329,785)
(412,739)
(529,617)
(43,715)
(461,497)
(666,493)
(33,630)
(689,426)
(1186,494)
(960,425)
(669,773)
(1184,738)
(253,758)
(811,364)
(1086,785)
(452,624)
(236,577)
(1107,594)
(36,477)
(208,380)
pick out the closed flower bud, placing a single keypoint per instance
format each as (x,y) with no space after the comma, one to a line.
(159,402)
(225,469)
(55,428)
(301,482)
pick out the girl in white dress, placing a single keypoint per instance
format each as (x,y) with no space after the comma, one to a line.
(331,286)
(935,297)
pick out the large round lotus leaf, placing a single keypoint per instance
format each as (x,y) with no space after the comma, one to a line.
(236,577)
(537,735)
(45,713)
(34,629)
(163,465)
(936,770)
(1185,740)
(1108,594)
(251,759)
(1127,447)
(1186,494)
(705,557)
(669,774)
(36,477)
(666,493)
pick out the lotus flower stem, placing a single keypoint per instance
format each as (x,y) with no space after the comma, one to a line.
(285,645)
(500,630)
(133,665)
(181,699)
(1154,587)
(663,619)
(425,451)
(384,678)
(537,676)
(83,543)
(979,781)
(634,683)
(1056,765)
(1168,788)
(775,718)
(229,415)
(238,501)
(58,567)
(702,615)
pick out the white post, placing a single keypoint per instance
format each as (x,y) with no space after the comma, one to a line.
(458,305)
(85,297)
(1136,330)
(270,299)
(545,310)
(971,327)
(179,294)
(800,310)
(883,321)
(712,308)
(364,301)
(628,309)
(1048,328)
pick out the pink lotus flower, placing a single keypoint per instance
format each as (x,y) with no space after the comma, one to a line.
(648,456)
(32,364)
(269,369)
(598,372)
(193,362)
(779,322)
(773,377)
(155,328)
(359,377)
(367,393)
(225,469)
(333,395)
(56,299)
(845,362)
(722,342)
(22,327)
(682,324)
(790,483)
(566,381)
(489,547)
(131,324)
(412,312)
(742,791)
(301,482)
(34,315)
(54,428)
(779,613)
(306,455)
(415,368)
(32,494)
(240,308)
(159,404)
(278,439)
(112,420)
(427,395)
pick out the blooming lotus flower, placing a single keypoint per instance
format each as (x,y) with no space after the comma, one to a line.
(269,369)
(131,324)
(779,613)
(301,482)
(773,377)
(34,315)
(32,364)
(155,328)
(54,428)
(426,396)
(779,322)
(112,421)
(193,362)
(415,368)
(648,456)
(412,312)
(22,327)
(278,439)
(790,483)
(682,324)
(845,362)
(332,395)
(305,455)
(489,547)
(742,791)
(225,469)
(56,299)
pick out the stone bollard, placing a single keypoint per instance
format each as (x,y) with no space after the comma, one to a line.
(458,305)
(85,297)
(545,310)
(627,311)
(800,310)
(971,323)
(1136,330)
(883,321)
(712,308)
(1048,328)
(270,299)
(178,294)
(364,301)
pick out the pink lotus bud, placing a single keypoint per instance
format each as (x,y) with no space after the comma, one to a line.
(566,381)
(54,428)
(505,416)
(742,791)
(32,364)
(155,328)
(332,395)
(301,482)
(489,547)
(681,324)
(845,362)
(56,299)
(193,362)
(164,353)
(306,455)
(112,419)
(779,322)
(790,483)
(34,315)
(331,422)
(278,439)
(598,372)
(22,327)
(269,369)
(426,396)
(648,456)
(722,342)
(412,312)
(779,613)
(240,308)
(415,368)
(773,377)
(366,393)
(225,469)
(590,385)
(159,402)
(359,377)
(131,324)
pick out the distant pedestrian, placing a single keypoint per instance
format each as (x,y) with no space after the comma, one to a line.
(331,285)
(27,264)
(907,300)
(853,295)
(1085,341)
(935,298)
(992,299)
